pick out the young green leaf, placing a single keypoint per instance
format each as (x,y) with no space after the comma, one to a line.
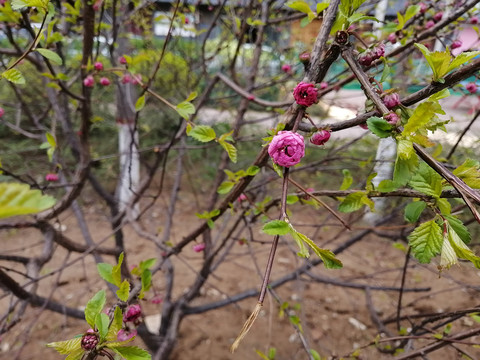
(76,354)
(380,127)
(225,187)
(94,307)
(140,104)
(328,257)
(352,202)
(347,179)
(123,290)
(131,353)
(303,250)
(426,241)
(67,346)
(469,172)
(387,186)
(253,170)
(276,227)
(105,272)
(19,199)
(14,76)
(427,181)
(414,210)
(116,271)
(50,55)
(203,133)
(460,250)
(185,109)
(404,169)
(101,322)
(230,149)
(146,280)
(116,325)
(461,230)
(147,264)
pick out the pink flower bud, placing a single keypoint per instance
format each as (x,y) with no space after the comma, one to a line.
(429,24)
(89,340)
(392,118)
(251,97)
(474,20)
(97,5)
(104,81)
(126,334)
(98,66)
(126,79)
(187,21)
(471,87)
(365,58)
(309,190)
(199,247)
(392,38)
(423,8)
(391,100)
(133,313)
(210,8)
(136,79)
(51,177)
(287,68)
(456,44)
(305,94)
(242,197)
(304,57)
(89,81)
(320,137)
(2,111)
(287,148)
(438,16)
(364,126)
(378,51)
(157,299)
(122,60)
(323,85)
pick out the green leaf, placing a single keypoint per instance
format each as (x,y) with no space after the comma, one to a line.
(461,230)
(426,241)
(67,346)
(14,76)
(20,4)
(191,96)
(19,199)
(404,169)
(203,133)
(253,170)
(427,181)
(405,149)
(386,71)
(272,352)
(50,55)
(352,202)
(469,172)
(444,206)
(101,322)
(185,109)
(315,355)
(262,355)
(347,179)
(146,280)
(442,94)
(225,187)
(105,272)
(322,6)
(140,104)
(76,354)
(292,199)
(131,353)
(360,17)
(94,307)
(460,250)
(300,5)
(147,264)
(421,116)
(379,126)
(461,59)
(387,186)
(276,227)
(412,10)
(414,210)
(51,140)
(303,250)
(123,290)
(230,149)
(116,325)
(116,271)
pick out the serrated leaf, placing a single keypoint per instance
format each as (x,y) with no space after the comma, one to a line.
(352,202)
(347,179)
(225,187)
(101,322)
(469,172)
(421,116)
(116,325)
(404,169)
(50,55)
(131,353)
(426,241)
(461,59)
(414,210)
(458,226)
(140,103)
(230,149)
(76,355)
(379,126)
(427,181)
(105,272)
(276,227)
(94,307)
(405,149)
(14,76)
(444,206)
(67,346)
(203,133)
(253,170)
(442,94)
(19,199)
(123,290)
(460,249)
(185,109)
(303,250)
(328,257)
(116,271)
(387,186)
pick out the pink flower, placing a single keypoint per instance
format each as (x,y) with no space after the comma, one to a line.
(471,87)
(89,340)
(438,16)
(133,313)
(474,20)
(126,334)
(157,299)
(304,57)
(392,118)
(392,38)
(98,66)
(242,197)
(365,58)
(378,51)
(320,137)
(51,177)
(456,44)
(104,81)
(187,21)
(391,100)
(2,111)
(122,60)
(305,94)
(286,148)
(126,79)
(429,24)
(423,8)
(287,68)
(199,247)
(251,97)
(323,85)
(89,81)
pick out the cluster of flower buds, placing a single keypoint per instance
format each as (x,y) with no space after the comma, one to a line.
(367,57)
(89,340)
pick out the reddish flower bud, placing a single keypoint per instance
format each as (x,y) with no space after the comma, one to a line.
(104,81)
(251,97)
(122,60)
(423,8)
(157,299)
(304,57)
(364,126)
(199,247)
(429,24)
(305,94)
(471,87)
(323,85)
(89,340)
(391,100)
(438,16)
(98,66)
(365,58)
(320,137)
(126,79)
(2,111)
(392,38)
(133,313)
(392,118)
(89,81)
(456,44)
(136,79)
(51,177)
(287,68)
(474,20)
(242,197)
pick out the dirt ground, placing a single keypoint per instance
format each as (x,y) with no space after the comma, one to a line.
(335,320)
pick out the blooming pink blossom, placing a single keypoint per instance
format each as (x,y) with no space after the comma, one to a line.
(126,334)
(89,81)
(423,8)
(369,56)
(287,148)
(104,81)
(391,100)
(242,197)
(122,60)
(133,313)
(98,66)
(2,111)
(126,79)
(438,16)
(305,94)
(456,44)
(392,38)
(199,247)
(474,20)
(471,87)
(392,118)
(320,137)
(429,24)
(89,340)
(287,68)
(323,85)
(51,177)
